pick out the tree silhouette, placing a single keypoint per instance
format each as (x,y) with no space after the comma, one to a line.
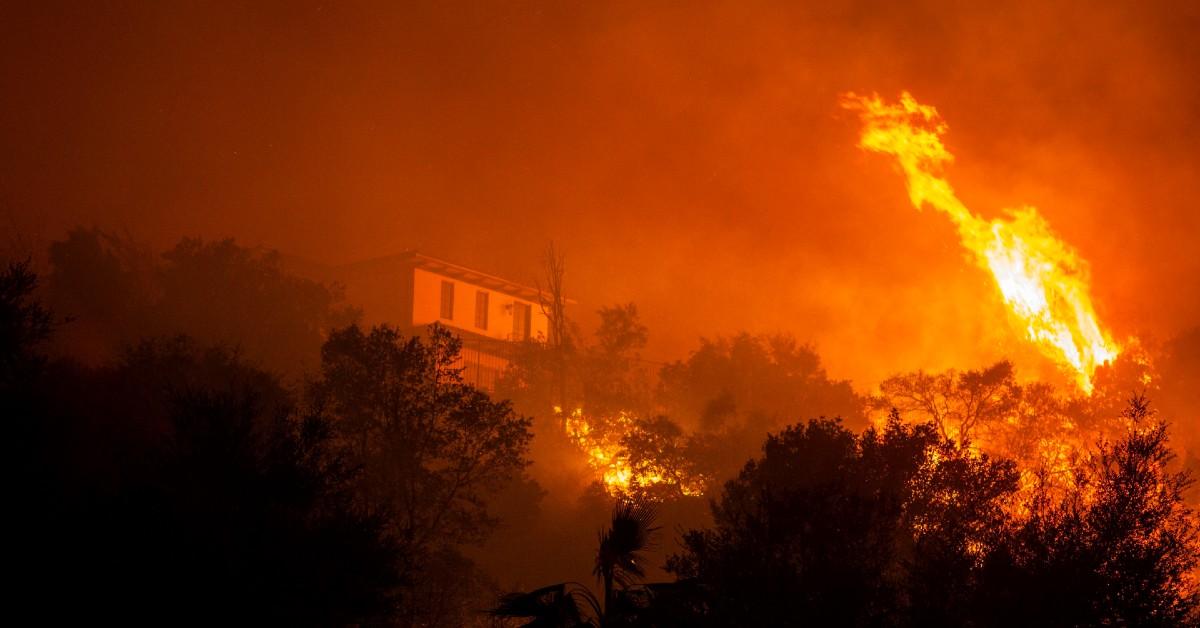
(603,377)
(959,404)
(24,323)
(562,605)
(621,548)
(106,284)
(432,448)
(552,298)
(1118,549)
(1042,429)
(613,379)
(830,528)
(179,485)
(178,482)
(737,389)
(116,291)
(220,292)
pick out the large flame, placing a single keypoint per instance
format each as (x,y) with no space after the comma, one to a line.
(1042,279)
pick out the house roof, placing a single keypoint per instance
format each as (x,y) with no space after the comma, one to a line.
(450,269)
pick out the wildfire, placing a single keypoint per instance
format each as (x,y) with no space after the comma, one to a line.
(605,443)
(1043,280)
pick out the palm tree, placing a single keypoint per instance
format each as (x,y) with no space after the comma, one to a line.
(572,605)
(621,548)
(555,606)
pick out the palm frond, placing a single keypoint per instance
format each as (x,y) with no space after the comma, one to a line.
(554,606)
(622,544)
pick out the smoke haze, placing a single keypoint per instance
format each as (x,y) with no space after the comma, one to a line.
(689,158)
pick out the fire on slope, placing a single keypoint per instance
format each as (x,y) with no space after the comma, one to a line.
(609,443)
(1043,281)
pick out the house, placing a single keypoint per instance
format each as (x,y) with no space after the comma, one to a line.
(414,291)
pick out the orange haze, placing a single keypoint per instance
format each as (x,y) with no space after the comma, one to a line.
(1042,280)
(690,157)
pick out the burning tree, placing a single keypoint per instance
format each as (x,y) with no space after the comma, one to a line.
(989,409)
(1045,431)
(636,458)
(1121,548)
(959,404)
(902,526)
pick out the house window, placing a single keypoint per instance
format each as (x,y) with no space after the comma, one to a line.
(521,316)
(481,309)
(448,299)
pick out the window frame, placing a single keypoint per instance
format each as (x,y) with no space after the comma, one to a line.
(482,303)
(522,321)
(446,306)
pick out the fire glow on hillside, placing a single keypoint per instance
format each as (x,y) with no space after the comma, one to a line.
(604,441)
(1044,282)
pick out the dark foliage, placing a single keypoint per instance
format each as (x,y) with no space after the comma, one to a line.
(838,529)
(904,528)
(116,291)
(1121,550)
(556,606)
(224,293)
(180,484)
(432,450)
(619,567)
(611,372)
(736,389)
(24,323)
(177,486)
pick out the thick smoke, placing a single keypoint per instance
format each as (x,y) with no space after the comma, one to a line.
(689,158)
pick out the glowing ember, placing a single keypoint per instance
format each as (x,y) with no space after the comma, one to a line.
(1042,279)
(604,442)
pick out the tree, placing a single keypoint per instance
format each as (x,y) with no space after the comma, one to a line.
(959,404)
(620,549)
(1140,517)
(251,513)
(830,528)
(657,448)
(1040,428)
(105,284)
(432,447)
(116,291)
(552,298)
(1133,372)
(1120,548)
(24,323)
(733,390)
(612,377)
(220,292)
(180,484)
(603,377)
(562,605)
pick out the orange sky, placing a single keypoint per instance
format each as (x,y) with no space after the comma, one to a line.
(690,157)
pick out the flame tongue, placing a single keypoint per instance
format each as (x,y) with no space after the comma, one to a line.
(1042,279)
